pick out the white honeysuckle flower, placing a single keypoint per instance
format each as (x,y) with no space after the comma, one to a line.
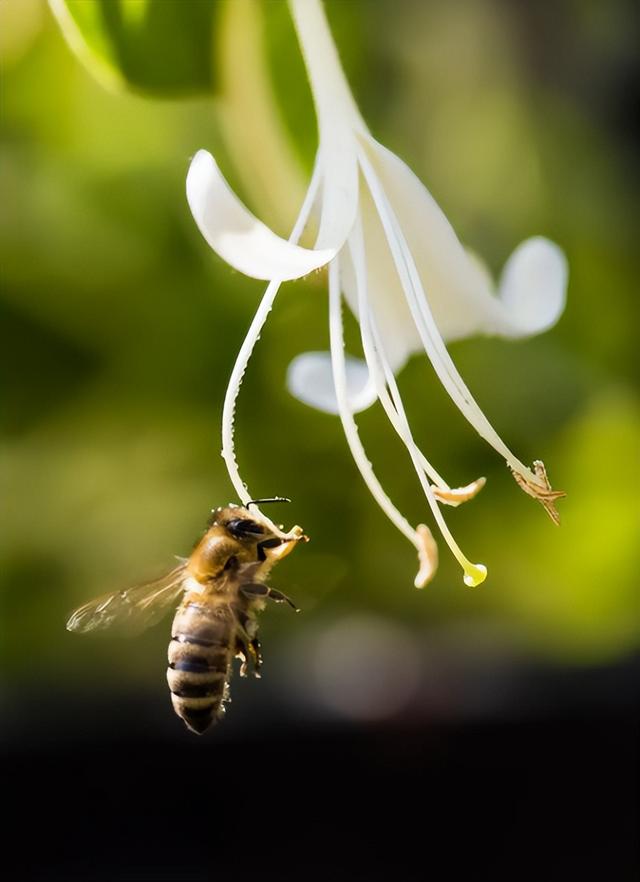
(394,257)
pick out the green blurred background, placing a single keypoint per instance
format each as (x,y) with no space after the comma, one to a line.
(120,328)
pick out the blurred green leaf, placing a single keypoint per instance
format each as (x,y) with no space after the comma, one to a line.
(161,47)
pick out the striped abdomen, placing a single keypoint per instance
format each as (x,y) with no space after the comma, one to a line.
(200,656)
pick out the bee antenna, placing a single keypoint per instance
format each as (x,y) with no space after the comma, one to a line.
(270,499)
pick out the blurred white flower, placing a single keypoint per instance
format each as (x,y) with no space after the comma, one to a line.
(395,258)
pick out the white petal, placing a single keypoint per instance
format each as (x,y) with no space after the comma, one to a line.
(310,380)
(236,235)
(460,291)
(533,286)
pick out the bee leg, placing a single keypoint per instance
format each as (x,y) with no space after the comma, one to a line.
(243,653)
(279,597)
(252,590)
(259,589)
(257,656)
(248,650)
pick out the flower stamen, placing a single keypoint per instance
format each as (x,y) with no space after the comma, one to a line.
(426,326)
(377,364)
(474,574)
(427,555)
(457,495)
(545,495)
(349,425)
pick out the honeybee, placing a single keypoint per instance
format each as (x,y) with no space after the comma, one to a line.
(223,587)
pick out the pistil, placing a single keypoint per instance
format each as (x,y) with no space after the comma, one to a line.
(252,337)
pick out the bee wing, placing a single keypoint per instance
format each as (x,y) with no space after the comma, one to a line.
(136,608)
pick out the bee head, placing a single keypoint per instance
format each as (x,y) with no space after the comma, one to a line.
(238,521)
(242,523)
(256,532)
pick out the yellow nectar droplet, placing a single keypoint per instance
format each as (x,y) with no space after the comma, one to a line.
(474,575)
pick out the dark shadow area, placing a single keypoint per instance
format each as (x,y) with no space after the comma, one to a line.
(551,797)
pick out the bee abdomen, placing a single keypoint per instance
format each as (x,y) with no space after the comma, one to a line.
(199,661)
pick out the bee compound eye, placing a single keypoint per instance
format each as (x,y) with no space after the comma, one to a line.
(242,528)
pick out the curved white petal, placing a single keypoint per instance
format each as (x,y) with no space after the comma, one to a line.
(457,285)
(533,286)
(236,235)
(310,380)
